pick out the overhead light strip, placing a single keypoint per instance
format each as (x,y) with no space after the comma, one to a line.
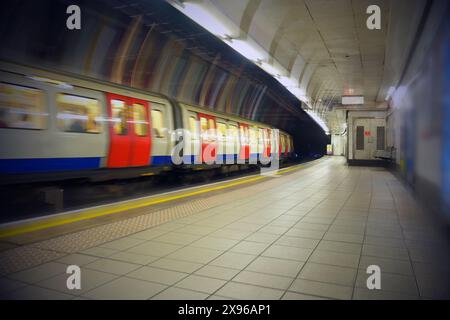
(207,16)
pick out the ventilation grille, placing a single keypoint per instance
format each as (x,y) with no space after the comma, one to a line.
(360,138)
(380,138)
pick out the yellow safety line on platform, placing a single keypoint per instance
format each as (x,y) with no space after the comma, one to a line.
(290,169)
(111,209)
(116,208)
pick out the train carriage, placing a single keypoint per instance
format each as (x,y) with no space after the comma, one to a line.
(55,126)
(232,138)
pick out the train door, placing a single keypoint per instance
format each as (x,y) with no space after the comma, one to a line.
(267,142)
(233,143)
(141,146)
(253,134)
(221,139)
(208,136)
(274,137)
(130,139)
(192,148)
(161,144)
(261,142)
(245,140)
(281,145)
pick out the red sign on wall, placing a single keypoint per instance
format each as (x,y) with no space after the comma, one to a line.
(367,133)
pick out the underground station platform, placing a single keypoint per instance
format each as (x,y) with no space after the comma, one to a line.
(218,159)
(309,232)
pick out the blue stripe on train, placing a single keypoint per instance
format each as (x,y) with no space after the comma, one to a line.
(67,164)
(47,164)
(61,164)
(161,160)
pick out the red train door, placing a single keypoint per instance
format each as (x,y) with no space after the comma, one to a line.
(208,136)
(130,139)
(140,119)
(280,145)
(245,140)
(267,143)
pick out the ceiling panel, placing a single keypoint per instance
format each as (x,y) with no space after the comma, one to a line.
(329,34)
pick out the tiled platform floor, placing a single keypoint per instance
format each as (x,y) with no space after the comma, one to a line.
(309,237)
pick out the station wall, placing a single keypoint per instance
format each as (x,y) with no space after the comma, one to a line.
(418,119)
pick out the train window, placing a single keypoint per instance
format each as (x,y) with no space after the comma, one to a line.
(77,114)
(244,134)
(253,136)
(261,136)
(221,131)
(22,107)
(119,117)
(203,124)
(140,120)
(193,127)
(233,132)
(157,123)
(207,127)
(266,137)
(212,129)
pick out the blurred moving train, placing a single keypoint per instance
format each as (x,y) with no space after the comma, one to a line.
(56,127)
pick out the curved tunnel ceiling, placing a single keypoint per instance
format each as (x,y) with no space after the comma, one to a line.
(318,49)
(146,45)
(323,46)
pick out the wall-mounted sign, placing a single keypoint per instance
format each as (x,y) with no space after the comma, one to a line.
(352,100)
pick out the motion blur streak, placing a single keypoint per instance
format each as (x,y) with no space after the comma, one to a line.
(419,123)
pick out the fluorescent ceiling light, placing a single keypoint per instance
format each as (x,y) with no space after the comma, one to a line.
(296,91)
(352,100)
(288,82)
(206,15)
(246,49)
(207,19)
(274,71)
